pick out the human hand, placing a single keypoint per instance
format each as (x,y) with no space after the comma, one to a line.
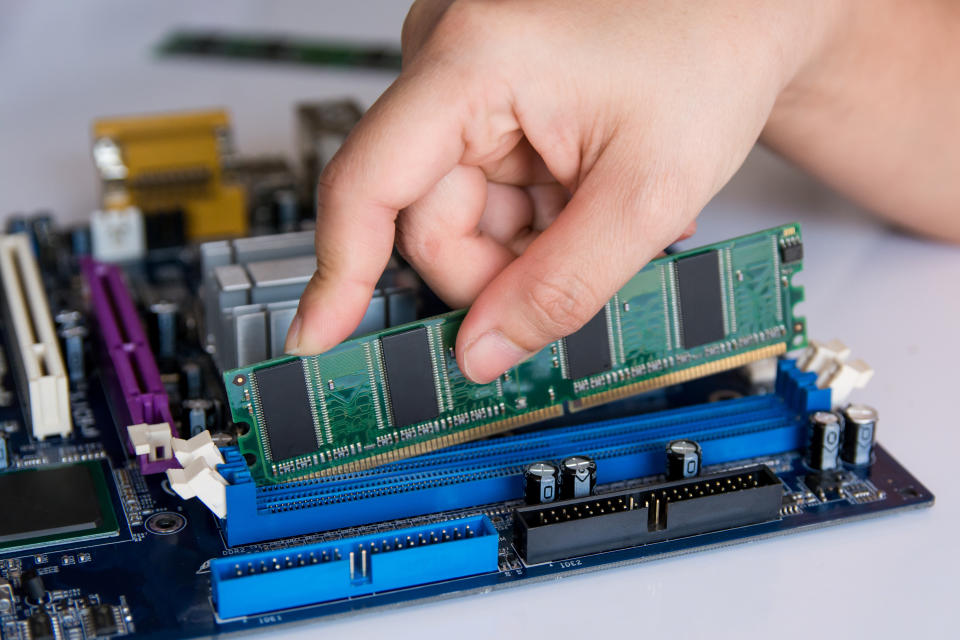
(533,156)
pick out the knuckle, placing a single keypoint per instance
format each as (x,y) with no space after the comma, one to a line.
(475,24)
(420,21)
(417,245)
(413,22)
(559,305)
(464,15)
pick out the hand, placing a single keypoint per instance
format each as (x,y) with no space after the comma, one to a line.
(533,156)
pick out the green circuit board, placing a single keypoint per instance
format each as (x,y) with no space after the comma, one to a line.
(399,392)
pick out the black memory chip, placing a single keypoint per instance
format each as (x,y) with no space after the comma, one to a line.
(701,301)
(285,408)
(588,350)
(409,372)
(49,502)
(791,252)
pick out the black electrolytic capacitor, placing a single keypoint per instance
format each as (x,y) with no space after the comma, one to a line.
(825,434)
(578,477)
(540,482)
(859,432)
(33,586)
(684,458)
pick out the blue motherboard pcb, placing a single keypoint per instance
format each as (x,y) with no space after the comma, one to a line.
(98,540)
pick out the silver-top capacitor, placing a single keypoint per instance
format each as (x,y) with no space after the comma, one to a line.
(540,482)
(578,477)
(825,433)
(684,458)
(859,433)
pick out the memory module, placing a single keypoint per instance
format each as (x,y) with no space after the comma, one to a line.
(399,392)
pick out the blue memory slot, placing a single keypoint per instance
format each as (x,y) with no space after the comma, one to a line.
(490,471)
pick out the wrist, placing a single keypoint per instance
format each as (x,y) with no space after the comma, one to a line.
(823,31)
(816,32)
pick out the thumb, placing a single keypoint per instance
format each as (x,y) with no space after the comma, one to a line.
(609,230)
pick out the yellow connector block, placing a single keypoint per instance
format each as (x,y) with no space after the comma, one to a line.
(223,215)
(172,161)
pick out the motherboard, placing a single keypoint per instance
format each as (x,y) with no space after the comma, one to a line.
(167,472)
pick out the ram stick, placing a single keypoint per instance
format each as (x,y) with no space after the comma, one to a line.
(278,49)
(399,392)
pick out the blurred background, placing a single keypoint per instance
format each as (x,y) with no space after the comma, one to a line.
(62,65)
(891,297)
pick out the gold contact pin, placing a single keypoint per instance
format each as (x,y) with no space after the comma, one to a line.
(445,441)
(676,377)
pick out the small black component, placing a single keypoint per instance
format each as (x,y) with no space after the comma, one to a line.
(578,477)
(103,621)
(859,431)
(285,408)
(40,626)
(791,252)
(588,350)
(32,586)
(824,435)
(701,299)
(827,485)
(684,458)
(48,502)
(164,229)
(634,517)
(540,482)
(409,374)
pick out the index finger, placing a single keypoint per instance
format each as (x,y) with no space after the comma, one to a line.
(410,139)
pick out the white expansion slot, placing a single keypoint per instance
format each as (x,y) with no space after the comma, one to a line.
(36,352)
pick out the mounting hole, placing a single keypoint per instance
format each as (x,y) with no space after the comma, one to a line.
(909,492)
(239,380)
(250,458)
(242,428)
(165,523)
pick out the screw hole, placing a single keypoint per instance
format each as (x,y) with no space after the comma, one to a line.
(165,523)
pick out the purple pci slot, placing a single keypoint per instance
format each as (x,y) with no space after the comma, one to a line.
(135,388)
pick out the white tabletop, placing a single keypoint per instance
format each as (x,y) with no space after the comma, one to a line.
(893,298)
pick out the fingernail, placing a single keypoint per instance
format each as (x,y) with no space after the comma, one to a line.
(292,345)
(490,355)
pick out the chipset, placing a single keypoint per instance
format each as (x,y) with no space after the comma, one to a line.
(54,505)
